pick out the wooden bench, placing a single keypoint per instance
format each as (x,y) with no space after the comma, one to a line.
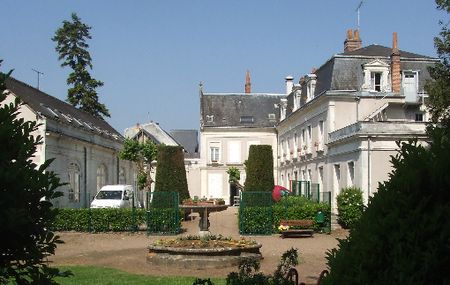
(304,228)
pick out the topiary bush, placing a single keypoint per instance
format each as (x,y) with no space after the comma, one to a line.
(350,206)
(403,235)
(170,171)
(259,169)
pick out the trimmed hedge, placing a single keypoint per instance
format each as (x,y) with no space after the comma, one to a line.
(254,219)
(259,169)
(170,171)
(98,220)
(299,208)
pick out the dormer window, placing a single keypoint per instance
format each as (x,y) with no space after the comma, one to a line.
(247,119)
(209,118)
(376,77)
(310,86)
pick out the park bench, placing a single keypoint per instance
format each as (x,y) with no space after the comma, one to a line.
(304,227)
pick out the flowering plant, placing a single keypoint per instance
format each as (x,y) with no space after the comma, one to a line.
(283,228)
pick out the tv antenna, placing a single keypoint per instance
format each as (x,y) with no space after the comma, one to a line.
(38,75)
(357,10)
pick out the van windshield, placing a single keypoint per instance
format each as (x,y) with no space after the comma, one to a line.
(110,195)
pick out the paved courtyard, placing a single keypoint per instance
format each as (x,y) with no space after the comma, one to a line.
(127,251)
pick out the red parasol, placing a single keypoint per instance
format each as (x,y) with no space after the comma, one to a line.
(278,192)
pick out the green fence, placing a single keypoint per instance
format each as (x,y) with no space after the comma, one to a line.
(302,188)
(255,213)
(163,213)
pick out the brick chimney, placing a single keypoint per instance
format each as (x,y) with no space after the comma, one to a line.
(395,65)
(248,84)
(353,41)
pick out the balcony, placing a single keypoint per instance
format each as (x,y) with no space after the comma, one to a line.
(394,129)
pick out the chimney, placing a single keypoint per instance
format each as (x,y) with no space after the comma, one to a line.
(353,41)
(289,84)
(395,65)
(248,84)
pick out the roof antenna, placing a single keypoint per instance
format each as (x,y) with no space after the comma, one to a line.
(38,75)
(357,10)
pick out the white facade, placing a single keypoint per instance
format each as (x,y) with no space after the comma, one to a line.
(225,148)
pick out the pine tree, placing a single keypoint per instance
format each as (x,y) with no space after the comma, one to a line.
(72,48)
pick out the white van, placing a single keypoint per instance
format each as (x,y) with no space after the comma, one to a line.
(113,196)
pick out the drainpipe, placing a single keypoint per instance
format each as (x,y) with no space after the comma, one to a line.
(368,169)
(86,198)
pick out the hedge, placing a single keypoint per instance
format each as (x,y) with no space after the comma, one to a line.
(98,220)
(254,220)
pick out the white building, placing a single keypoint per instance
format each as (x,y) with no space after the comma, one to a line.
(230,123)
(84,148)
(343,120)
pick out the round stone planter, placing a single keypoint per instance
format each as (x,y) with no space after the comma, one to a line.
(200,258)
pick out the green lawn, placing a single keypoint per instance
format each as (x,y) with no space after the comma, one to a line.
(107,276)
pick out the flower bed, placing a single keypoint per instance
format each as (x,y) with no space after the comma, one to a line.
(197,252)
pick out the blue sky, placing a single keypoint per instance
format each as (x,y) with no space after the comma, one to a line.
(152,55)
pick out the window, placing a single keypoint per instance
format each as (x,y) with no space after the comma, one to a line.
(101,176)
(209,118)
(234,152)
(337,178)
(321,176)
(351,173)
(375,81)
(247,119)
(309,175)
(271,117)
(295,144)
(214,152)
(376,76)
(74,182)
(419,117)
(122,176)
(308,139)
(310,86)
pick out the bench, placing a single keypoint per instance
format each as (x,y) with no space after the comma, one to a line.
(305,228)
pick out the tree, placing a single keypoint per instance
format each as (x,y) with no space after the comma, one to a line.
(25,208)
(234,175)
(170,171)
(259,167)
(72,48)
(142,154)
(439,88)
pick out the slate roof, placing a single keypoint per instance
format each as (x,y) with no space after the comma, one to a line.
(344,71)
(152,131)
(57,110)
(187,138)
(382,51)
(240,110)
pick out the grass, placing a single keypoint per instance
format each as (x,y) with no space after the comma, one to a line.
(88,275)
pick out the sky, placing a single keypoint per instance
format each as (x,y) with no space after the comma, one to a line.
(152,55)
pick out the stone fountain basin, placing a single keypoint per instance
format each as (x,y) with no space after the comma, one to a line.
(201,258)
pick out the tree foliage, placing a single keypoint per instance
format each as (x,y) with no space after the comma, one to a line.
(170,171)
(259,168)
(439,88)
(234,175)
(142,154)
(350,206)
(72,48)
(26,217)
